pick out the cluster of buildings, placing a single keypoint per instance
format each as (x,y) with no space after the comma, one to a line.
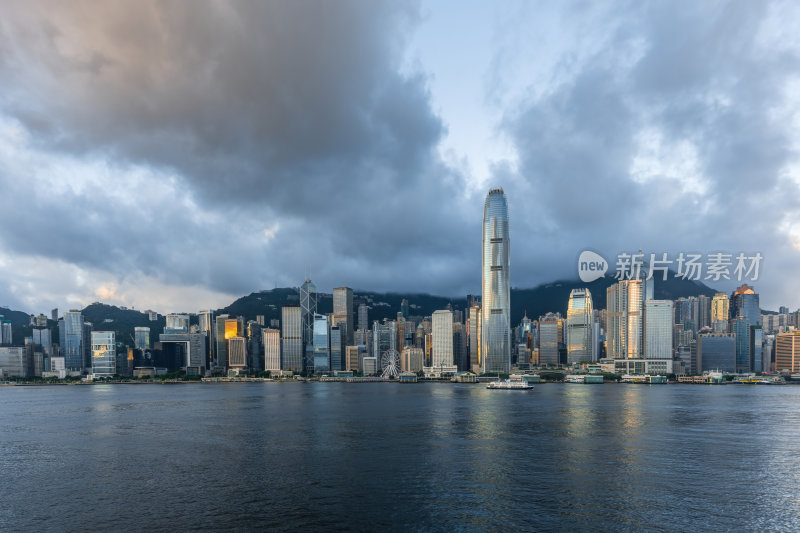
(635,334)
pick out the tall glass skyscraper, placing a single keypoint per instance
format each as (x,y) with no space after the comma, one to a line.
(496,310)
(579,326)
(71,338)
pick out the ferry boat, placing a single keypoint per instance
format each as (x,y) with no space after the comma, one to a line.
(509,385)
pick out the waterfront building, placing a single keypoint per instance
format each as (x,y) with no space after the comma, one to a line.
(183,351)
(141,338)
(343,311)
(384,337)
(71,339)
(703,311)
(104,354)
(658,329)
(43,337)
(272,349)
(370,366)
(756,356)
(442,353)
(6,332)
(653,367)
(255,350)
(474,336)
(13,362)
(292,338)
(740,327)
(237,353)
(205,321)
(716,352)
(460,354)
(337,343)
(495,285)
(579,326)
(787,352)
(352,361)
(624,319)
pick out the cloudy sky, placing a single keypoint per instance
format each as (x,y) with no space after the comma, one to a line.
(176,155)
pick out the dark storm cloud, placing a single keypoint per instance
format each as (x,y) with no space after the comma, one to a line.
(286,115)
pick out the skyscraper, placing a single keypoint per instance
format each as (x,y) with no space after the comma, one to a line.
(221,349)
(442,353)
(579,326)
(141,338)
(308,307)
(104,354)
(474,336)
(70,329)
(321,344)
(624,319)
(658,329)
(363,317)
(292,338)
(343,311)
(496,311)
(272,349)
(550,339)
(744,302)
(719,307)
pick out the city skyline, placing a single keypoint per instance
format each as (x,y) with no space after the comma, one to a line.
(160,175)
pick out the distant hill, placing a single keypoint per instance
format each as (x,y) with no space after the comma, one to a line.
(535,302)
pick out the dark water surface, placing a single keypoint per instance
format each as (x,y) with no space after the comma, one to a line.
(401,457)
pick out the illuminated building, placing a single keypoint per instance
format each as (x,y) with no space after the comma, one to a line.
(719,307)
(787,352)
(744,303)
(495,285)
(579,326)
(104,354)
(551,334)
(624,320)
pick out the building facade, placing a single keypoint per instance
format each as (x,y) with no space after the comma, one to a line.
(579,326)
(495,285)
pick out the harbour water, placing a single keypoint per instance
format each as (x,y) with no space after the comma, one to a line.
(381,456)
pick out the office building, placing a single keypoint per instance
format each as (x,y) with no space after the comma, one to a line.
(337,345)
(104,354)
(308,307)
(292,338)
(624,320)
(550,339)
(221,344)
(412,359)
(272,349)
(744,303)
(363,317)
(141,338)
(14,362)
(343,311)
(442,353)
(352,360)
(177,323)
(495,283)
(70,329)
(740,327)
(321,345)
(473,337)
(579,326)
(716,352)
(237,353)
(787,352)
(182,351)
(658,329)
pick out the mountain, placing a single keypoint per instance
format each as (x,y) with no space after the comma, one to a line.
(534,302)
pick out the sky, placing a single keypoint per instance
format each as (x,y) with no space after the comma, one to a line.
(178,155)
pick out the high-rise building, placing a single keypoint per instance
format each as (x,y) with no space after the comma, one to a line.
(343,310)
(787,352)
(551,337)
(237,352)
(703,312)
(255,351)
(624,320)
(54,315)
(579,326)
(42,337)
(292,338)
(756,345)
(719,307)
(272,349)
(352,359)
(384,337)
(141,338)
(473,336)
(411,359)
(104,354)
(205,322)
(221,344)
(442,353)
(363,317)
(337,348)
(70,329)
(308,307)
(744,302)
(658,329)
(716,352)
(740,327)
(321,345)
(496,310)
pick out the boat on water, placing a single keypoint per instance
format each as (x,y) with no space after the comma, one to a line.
(509,385)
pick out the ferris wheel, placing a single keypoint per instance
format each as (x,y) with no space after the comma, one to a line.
(390,363)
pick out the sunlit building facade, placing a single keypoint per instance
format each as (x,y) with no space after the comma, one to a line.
(624,320)
(579,326)
(495,285)
(658,316)
(292,338)
(343,311)
(104,354)
(71,339)
(442,352)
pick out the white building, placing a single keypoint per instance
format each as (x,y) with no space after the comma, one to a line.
(442,329)
(658,317)
(272,349)
(579,327)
